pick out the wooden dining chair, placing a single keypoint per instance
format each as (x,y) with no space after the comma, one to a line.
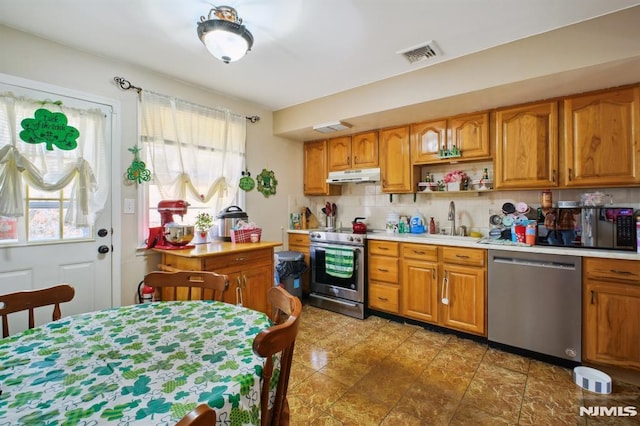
(31,299)
(202,415)
(187,285)
(278,339)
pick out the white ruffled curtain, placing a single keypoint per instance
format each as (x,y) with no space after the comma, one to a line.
(194,152)
(85,167)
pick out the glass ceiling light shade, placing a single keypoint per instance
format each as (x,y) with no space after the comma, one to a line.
(224,35)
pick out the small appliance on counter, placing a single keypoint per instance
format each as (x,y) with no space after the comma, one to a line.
(171,235)
(571,225)
(226,220)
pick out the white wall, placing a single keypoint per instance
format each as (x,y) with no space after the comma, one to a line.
(37,59)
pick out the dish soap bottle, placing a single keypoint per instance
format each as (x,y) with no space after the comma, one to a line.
(432,226)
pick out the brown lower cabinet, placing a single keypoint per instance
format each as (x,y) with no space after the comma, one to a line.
(250,274)
(384,276)
(611,312)
(446,286)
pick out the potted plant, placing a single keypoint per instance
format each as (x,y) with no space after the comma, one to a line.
(204,222)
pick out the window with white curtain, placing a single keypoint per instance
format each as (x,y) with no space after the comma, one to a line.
(195,153)
(52,186)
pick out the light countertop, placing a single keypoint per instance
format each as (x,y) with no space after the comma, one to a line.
(487,244)
(220,248)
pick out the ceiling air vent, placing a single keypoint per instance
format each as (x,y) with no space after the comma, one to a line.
(421,52)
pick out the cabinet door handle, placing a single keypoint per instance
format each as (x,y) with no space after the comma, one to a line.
(433,273)
(445,288)
(570,174)
(348,159)
(593,295)
(553,176)
(238,294)
(355,159)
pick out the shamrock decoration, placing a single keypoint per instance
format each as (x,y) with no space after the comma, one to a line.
(49,128)
(246,181)
(267,182)
(138,171)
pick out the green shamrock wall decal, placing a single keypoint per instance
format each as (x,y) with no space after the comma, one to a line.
(49,128)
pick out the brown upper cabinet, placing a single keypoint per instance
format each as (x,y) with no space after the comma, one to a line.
(468,133)
(395,160)
(315,170)
(601,139)
(359,151)
(526,146)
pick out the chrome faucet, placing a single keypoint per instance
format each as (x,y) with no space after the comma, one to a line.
(451,217)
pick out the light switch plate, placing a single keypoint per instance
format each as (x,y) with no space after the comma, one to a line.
(129,206)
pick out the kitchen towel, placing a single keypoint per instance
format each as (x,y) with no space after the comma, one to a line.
(339,262)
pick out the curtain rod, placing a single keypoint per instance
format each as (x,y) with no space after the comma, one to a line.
(126,85)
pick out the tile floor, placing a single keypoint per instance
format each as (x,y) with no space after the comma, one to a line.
(380,372)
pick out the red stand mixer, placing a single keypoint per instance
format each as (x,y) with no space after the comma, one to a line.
(171,235)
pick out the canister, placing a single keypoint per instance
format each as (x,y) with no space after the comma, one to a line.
(530,232)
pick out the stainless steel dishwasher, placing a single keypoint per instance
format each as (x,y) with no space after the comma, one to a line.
(535,302)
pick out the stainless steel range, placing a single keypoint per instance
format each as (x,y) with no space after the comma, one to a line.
(338,271)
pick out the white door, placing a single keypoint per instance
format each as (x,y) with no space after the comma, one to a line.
(39,250)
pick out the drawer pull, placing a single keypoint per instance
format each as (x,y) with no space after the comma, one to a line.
(461,256)
(418,252)
(383,248)
(615,271)
(383,270)
(384,299)
(241,259)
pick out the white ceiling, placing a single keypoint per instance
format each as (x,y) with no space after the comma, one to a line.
(304,49)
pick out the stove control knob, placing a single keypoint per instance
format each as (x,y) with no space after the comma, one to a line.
(349,238)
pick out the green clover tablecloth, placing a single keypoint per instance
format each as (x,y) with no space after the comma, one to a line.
(145,364)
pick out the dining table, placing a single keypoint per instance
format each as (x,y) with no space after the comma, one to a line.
(146,364)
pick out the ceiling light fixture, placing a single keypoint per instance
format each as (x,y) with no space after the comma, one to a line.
(224,35)
(333,126)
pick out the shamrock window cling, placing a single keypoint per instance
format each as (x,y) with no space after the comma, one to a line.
(50,128)
(138,171)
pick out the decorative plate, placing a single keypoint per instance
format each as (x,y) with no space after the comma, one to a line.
(267,182)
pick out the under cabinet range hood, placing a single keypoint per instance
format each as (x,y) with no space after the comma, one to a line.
(354,176)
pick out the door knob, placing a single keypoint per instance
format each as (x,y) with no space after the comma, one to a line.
(102,232)
(103,249)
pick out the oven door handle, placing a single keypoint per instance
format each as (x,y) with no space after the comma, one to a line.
(333,300)
(334,245)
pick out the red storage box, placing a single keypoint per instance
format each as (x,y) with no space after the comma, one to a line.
(244,235)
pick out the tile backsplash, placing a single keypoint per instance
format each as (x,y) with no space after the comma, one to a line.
(472,208)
